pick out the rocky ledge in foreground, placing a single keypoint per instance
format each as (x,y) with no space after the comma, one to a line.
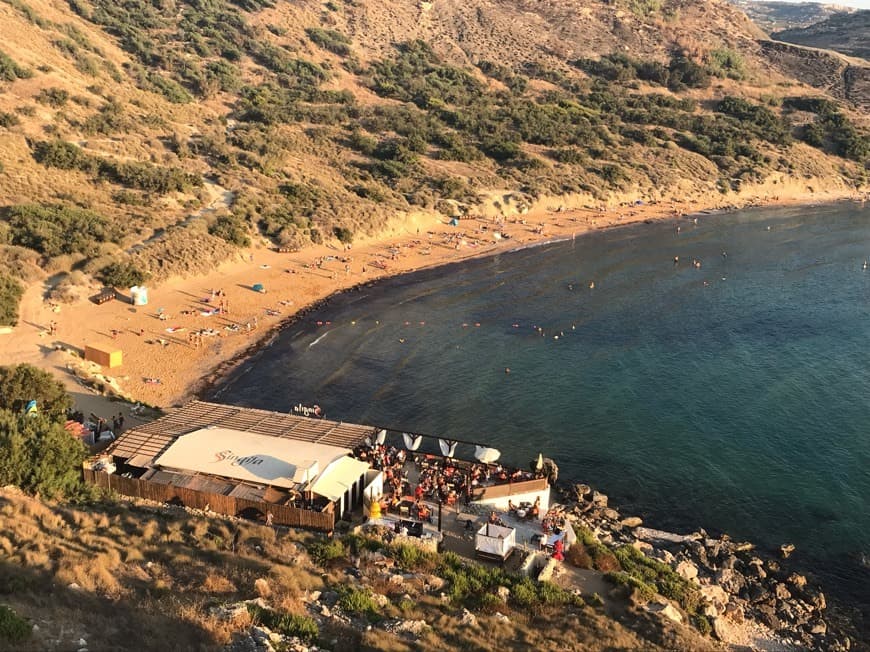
(738,583)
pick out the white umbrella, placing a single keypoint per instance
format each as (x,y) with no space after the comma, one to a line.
(448,447)
(382,437)
(412,442)
(486,455)
(540,463)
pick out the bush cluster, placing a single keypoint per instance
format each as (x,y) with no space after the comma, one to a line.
(13,628)
(36,452)
(122,275)
(57,229)
(133,174)
(289,625)
(10,71)
(10,296)
(329,39)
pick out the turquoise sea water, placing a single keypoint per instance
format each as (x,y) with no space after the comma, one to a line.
(734,397)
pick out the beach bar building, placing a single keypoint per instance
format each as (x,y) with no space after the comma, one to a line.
(294,470)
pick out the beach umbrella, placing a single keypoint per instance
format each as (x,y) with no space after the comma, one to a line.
(448,447)
(382,437)
(486,455)
(412,442)
(539,464)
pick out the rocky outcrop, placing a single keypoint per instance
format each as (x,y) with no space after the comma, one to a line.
(739,585)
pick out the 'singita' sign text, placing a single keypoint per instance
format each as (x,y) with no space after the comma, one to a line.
(306,411)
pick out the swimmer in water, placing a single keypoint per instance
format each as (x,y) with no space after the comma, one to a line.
(591,285)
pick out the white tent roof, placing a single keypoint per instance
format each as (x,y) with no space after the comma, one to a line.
(337,478)
(248,456)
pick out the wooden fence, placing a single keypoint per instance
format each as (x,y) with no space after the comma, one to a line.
(511,489)
(228,505)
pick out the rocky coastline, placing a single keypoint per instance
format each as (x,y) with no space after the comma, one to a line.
(739,582)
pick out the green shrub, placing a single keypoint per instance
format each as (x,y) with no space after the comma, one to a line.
(13,628)
(685,73)
(53,97)
(38,455)
(357,601)
(10,296)
(108,120)
(10,71)
(22,383)
(9,120)
(325,551)
(524,593)
(122,275)
(726,63)
(329,39)
(55,229)
(702,624)
(63,155)
(286,624)
(343,234)
(231,228)
(660,577)
(642,591)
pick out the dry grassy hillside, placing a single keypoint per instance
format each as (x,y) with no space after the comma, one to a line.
(122,577)
(166,134)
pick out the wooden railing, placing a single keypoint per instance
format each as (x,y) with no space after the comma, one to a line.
(510,489)
(165,493)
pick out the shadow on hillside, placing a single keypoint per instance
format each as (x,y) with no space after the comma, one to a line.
(65,615)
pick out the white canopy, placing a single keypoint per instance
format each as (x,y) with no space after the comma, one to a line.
(248,456)
(486,455)
(448,447)
(338,477)
(412,442)
(494,539)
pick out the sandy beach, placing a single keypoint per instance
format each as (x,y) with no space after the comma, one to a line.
(192,329)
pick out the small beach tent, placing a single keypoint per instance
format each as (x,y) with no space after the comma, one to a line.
(495,541)
(103,357)
(139,295)
(454,222)
(258,287)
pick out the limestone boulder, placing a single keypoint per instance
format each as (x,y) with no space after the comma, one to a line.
(599,499)
(666,610)
(714,594)
(724,630)
(818,627)
(687,570)
(797,581)
(781,592)
(467,619)
(631,522)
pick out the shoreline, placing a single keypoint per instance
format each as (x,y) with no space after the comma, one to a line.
(221,372)
(163,368)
